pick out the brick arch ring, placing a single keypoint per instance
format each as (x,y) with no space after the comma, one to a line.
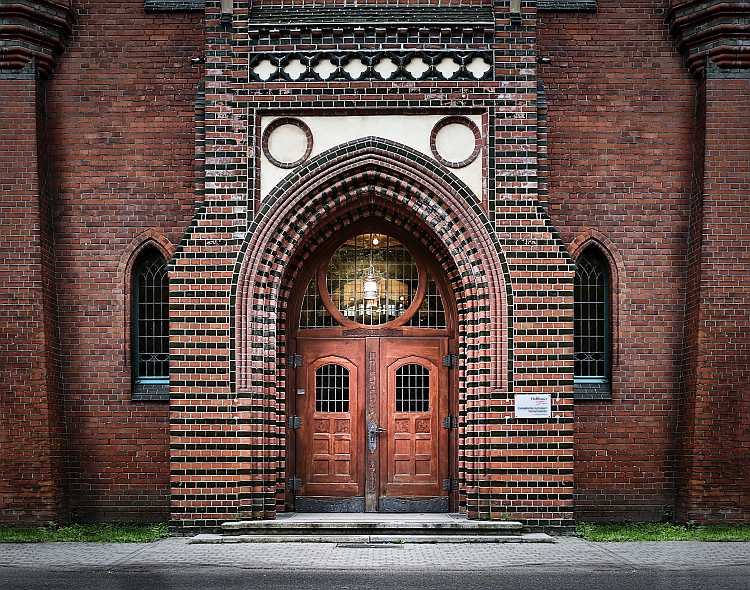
(379,171)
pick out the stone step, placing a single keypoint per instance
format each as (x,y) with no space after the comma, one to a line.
(372,524)
(357,540)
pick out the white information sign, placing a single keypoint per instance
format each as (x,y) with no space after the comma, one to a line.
(534,405)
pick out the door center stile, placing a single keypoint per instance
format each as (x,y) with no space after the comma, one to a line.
(372,348)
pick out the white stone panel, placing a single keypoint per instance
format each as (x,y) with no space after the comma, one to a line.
(455,142)
(447,67)
(287,143)
(355,68)
(385,68)
(478,67)
(324,69)
(417,67)
(265,69)
(411,130)
(295,68)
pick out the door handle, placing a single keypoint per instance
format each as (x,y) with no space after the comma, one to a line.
(373,430)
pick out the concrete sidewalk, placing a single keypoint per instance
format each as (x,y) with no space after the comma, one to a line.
(567,553)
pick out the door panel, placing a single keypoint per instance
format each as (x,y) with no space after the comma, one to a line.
(414,448)
(330,437)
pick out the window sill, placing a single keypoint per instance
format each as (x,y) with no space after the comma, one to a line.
(151,392)
(592,392)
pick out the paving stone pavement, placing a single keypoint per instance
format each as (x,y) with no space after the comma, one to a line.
(568,552)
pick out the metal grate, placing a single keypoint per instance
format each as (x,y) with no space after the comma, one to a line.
(332,389)
(313,313)
(431,314)
(591,318)
(151,319)
(375,257)
(412,388)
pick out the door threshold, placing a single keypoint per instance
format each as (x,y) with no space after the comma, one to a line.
(365,541)
(372,523)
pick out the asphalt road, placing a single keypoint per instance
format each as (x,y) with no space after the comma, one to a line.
(226,578)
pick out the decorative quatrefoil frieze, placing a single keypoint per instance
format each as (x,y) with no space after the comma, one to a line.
(373,66)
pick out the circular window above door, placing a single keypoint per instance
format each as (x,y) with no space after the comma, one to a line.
(372,280)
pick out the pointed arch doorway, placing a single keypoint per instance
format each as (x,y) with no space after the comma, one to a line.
(371,410)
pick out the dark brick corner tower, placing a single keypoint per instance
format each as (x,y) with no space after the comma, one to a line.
(32,33)
(714,37)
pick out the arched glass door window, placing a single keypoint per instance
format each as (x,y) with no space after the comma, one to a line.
(150,320)
(332,388)
(592,318)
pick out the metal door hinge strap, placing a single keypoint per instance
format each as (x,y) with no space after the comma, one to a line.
(294,483)
(449,360)
(295,361)
(294,422)
(450,422)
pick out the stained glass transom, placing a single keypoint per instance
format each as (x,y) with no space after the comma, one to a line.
(381,263)
(412,388)
(591,318)
(151,319)
(332,388)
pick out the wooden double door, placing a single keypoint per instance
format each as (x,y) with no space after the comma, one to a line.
(370,431)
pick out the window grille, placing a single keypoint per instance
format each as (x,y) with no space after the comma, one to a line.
(431,314)
(412,388)
(332,389)
(313,313)
(151,319)
(591,334)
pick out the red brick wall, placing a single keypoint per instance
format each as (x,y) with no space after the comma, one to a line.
(30,424)
(621,124)
(716,420)
(122,132)
(121,142)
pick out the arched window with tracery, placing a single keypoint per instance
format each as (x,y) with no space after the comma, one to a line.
(592,316)
(150,325)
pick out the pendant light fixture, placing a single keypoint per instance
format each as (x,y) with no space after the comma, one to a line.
(370,287)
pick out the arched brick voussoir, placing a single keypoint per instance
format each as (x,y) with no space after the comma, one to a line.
(375,169)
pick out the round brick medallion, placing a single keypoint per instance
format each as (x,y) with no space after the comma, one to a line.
(455,141)
(287,142)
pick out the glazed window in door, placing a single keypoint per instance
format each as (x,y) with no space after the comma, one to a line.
(412,388)
(332,389)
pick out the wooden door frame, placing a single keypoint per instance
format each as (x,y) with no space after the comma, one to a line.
(294,304)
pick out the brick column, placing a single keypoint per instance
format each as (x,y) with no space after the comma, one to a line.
(715,425)
(31,423)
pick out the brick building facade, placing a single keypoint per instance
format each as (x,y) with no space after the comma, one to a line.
(568,182)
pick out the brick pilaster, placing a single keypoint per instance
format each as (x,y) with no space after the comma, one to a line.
(30,417)
(715,428)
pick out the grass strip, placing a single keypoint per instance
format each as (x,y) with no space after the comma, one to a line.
(651,531)
(88,533)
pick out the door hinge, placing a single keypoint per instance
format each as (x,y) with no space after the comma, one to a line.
(450,422)
(449,484)
(294,422)
(294,484)
(449,360)
(295,361)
